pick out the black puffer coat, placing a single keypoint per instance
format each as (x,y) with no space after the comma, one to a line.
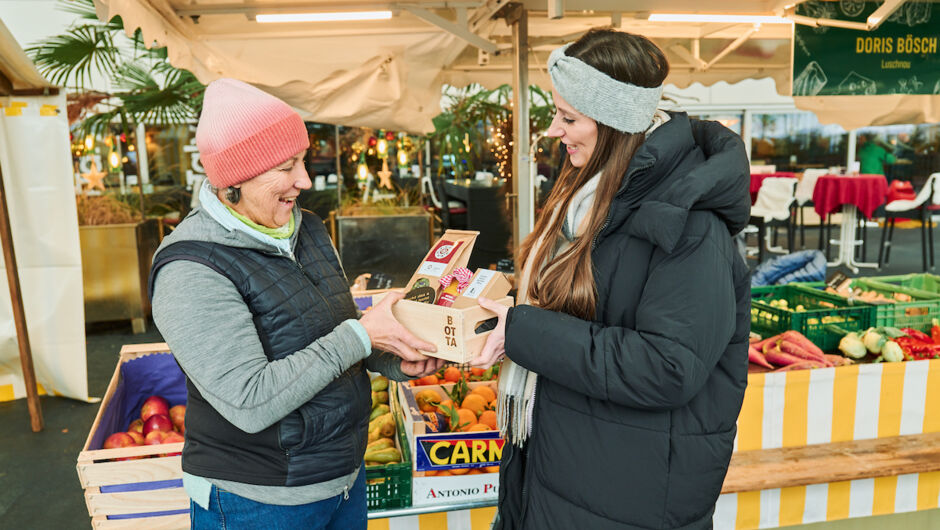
(635,412)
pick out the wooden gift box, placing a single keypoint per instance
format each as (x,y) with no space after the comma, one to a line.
(452,330)
(138,493)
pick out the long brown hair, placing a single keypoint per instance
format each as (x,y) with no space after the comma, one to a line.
(566,282)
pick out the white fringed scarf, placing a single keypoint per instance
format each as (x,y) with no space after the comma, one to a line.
(516,399)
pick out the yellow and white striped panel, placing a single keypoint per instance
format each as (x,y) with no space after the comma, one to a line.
(859,402)
(476,519)
(12,387)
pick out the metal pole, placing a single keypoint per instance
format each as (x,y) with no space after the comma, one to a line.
(143,163)
(19,316)
(339,169)
(522,191)
(850,158)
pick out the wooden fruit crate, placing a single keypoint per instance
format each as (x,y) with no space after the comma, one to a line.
(145,492)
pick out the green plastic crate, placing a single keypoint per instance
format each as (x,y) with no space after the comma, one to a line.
(916,314)
(769,320)
(389,486)
(927,284)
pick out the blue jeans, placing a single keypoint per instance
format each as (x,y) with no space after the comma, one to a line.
(228,511)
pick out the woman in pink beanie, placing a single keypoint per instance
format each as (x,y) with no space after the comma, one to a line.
(249,293)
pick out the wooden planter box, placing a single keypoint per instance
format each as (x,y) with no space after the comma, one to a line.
(141,493)
(115,265)
(391,244)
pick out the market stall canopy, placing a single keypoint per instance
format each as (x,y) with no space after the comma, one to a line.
(388,73)
(18,74)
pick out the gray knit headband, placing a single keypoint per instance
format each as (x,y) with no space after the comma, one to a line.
(623,106)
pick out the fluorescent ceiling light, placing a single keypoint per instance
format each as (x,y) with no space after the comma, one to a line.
(721,19)
(325,17)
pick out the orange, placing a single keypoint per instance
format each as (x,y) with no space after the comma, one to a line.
(443,473)
(427,400)
(492,405)
(474,402)
(475,472)
(444,405)
(485,391)
(478,427)
(463,471)
(426,380)
(491,469)
(488,418)
(465,419)
(452,374)
(477,371)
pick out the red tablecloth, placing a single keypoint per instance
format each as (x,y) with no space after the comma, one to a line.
(758,178)
(867,192)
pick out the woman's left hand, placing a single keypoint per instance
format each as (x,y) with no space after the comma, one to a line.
(495,347)
(422,368)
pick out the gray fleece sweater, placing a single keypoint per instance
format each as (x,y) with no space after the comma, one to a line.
(209,329)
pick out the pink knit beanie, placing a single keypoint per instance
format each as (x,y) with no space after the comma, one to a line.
(244,132)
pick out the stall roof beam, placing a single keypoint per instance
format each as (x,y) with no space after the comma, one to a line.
(874,20)
(235,8)
(457,30)
(731,47)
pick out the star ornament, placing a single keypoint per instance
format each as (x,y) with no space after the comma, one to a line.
(385,176)
(94,177)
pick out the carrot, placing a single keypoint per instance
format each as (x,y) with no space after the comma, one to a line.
(801,339)
(838,360)
(759,345)
(776,356)
(757,357)
(800,366)
(792,348)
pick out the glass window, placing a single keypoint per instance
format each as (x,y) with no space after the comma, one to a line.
(730,120)
(796,141)
(914,151)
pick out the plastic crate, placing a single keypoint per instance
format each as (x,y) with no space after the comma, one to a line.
(769,320)
(389,486)
(925,284)
(915,314)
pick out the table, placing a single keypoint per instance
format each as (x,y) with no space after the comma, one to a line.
(758,178)
(860,193)
(486,213)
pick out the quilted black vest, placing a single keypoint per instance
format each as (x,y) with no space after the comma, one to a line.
(293,303)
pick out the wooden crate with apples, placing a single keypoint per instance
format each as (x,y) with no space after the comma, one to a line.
(135,486)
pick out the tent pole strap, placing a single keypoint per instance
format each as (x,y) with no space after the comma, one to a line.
(19,316)
(522,204)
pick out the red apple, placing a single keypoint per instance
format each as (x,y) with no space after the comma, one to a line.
(154,438)
(138,437)
(173,437)
(154,405)
(157,422)
(178,416)
(118,439)
(136,426)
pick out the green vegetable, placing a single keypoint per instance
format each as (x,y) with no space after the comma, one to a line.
(852,346)
(892,352)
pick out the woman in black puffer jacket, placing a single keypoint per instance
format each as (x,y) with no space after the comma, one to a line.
(626,357)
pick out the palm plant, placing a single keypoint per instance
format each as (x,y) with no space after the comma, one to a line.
(462,130)
(148,88)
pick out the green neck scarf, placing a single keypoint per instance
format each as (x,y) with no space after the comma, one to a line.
(281,232)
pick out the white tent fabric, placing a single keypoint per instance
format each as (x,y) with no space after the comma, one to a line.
(389,73)
(35,158)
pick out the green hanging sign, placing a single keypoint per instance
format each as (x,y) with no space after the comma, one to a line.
(902,56)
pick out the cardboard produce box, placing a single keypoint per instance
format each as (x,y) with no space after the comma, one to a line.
(142,486)
(475,455)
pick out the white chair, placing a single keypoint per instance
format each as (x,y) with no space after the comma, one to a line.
(804,198)
(763,169)
(926,201)
(774,207)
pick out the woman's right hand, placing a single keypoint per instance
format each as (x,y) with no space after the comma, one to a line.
(387,334)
